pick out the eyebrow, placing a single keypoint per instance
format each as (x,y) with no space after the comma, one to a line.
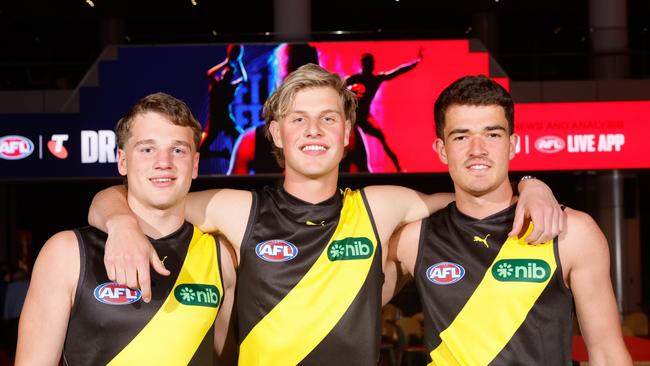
(320,113)
(153,142)
(487,128)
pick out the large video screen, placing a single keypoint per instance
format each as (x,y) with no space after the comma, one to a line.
(396,83)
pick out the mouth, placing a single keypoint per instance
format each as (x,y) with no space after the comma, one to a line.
(478,166)
(313,148)
(162,181)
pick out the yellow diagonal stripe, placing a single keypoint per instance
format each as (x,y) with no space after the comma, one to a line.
(298,323)
(175,331)
(495,310)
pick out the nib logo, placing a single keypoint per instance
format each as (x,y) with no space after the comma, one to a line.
(55,145)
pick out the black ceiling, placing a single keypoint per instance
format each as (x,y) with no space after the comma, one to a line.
(42,42)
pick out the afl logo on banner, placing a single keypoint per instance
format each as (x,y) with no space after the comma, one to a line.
(112,293)
(549,144)
(276,250)
(15,147)
(445,273)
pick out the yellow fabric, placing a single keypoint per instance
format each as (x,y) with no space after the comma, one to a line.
(176,330)
(495,310)
(298,323)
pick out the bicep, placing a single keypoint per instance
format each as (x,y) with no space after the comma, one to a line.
(45,315)
(585,249)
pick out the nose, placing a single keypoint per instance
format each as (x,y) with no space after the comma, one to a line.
(163,160)
(477,147)
(313,128)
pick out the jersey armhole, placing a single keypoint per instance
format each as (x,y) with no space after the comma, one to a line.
(82,271)
(252,217)
(372,220)
(418,257)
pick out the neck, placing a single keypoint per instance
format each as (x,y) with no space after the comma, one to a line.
(312,190)
(157,223)
(484,204)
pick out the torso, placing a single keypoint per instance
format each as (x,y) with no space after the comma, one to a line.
(515,312)
(309,287)
(110,325)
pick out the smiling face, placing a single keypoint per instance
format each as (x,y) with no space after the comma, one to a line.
(312,133)
(159,160)
(477,147)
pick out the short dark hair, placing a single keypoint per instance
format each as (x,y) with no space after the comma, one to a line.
(174,109)
(476,91)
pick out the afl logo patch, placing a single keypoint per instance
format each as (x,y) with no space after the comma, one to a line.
(115,294)
(445,273)
(276,250)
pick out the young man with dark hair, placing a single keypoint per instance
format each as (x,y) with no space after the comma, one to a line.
(489,297)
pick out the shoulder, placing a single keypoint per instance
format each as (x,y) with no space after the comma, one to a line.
(59,258)
(62,244)
(582,239)
(387,193)
(579,224)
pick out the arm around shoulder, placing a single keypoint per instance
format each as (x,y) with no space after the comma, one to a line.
(45,315)
(584,254)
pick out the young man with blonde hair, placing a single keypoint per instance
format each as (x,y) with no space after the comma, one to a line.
(310,254)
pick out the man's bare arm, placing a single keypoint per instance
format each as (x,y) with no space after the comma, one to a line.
(128,251)
(402,255)
(585,261)
(220,210)
(393,206)
(537,202)
(45,315)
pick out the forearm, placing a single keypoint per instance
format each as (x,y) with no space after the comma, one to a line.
(109,208)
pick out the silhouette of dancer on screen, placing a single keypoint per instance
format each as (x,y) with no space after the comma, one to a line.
(224,80)
(365,85)
(253,152)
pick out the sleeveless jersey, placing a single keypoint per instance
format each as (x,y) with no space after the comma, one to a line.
(109,324)
(309,282)
(490,299)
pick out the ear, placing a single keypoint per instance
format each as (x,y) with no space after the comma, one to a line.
(121,162)
(195,166)
(348,131)
(514,138)
(274,129)
(439,147)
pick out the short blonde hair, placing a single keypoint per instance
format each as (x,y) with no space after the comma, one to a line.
(307,76)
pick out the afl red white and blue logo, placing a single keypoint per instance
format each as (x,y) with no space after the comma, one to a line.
(115,294)
(15,147)
(276,250)
(445,273)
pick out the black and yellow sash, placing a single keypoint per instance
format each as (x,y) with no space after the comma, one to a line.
(495,310)
(307,314)
(173,335)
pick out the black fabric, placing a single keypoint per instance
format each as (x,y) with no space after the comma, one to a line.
(447,236)
(97,332)
(261,285)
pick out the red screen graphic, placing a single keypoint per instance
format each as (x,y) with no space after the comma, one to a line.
(554,136)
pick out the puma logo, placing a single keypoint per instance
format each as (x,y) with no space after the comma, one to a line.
(311,223)
(482,240)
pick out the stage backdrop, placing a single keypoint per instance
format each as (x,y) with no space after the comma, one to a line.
(396,83)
